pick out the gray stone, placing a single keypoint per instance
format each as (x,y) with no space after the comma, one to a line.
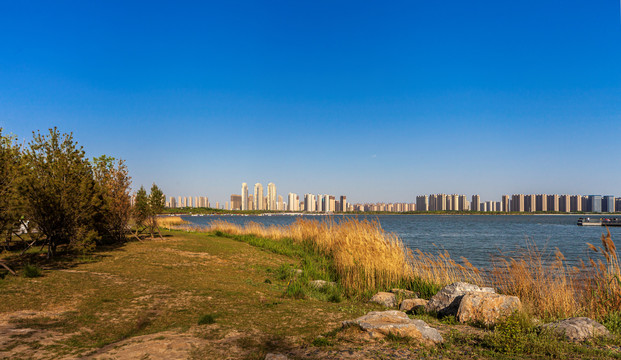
(380,323)
(486,308)
(446,301)
(385,298)
(320,284)
(273,356)
(578,328)
(410,304)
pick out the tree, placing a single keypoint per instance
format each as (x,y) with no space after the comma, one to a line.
(113,181)
(157,201)
(9,177)
(58,191)
(141,210)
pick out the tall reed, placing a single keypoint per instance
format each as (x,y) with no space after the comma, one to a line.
(366,257)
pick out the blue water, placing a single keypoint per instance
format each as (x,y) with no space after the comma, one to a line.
(478,238)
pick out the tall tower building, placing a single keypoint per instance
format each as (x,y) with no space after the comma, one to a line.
(343,203)
(541,202)
(475,205)
(281,205)
(258,197)
(564,204)
(553,203)
(244,196)
(517,202)
(422,203)
(272,198)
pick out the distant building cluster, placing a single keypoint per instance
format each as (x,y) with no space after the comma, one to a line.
(274,202)
(269,200)
(520,203)
(187,201)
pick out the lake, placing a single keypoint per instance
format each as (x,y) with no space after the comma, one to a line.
(476,237)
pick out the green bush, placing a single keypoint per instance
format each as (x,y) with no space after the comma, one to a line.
(612,322)
(207,319)
(511,335)
(31,271)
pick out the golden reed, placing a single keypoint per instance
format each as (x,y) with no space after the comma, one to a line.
(367,258)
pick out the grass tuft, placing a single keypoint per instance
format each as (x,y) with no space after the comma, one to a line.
(207,319)
(31,271)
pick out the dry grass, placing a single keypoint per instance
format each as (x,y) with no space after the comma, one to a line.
(170,221)
(368,258)
(365,256)
(547,288)
(551,289)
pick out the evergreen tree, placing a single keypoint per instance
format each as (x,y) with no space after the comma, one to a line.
(141,210)
(58,191)
(10,158)
(157,201)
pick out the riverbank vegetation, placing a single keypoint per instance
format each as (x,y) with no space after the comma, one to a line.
(367,259)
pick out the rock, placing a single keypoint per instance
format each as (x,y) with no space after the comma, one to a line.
(380,323)
(385,298)
(410,304)
(486,308)
(320,284)
(446,301)
(272,356)
(404,293)
(578,328)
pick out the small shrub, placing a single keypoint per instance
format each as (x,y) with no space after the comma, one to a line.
(31,271)
(296,290)
(612,322)
(284,272)
(207,319)
(322,341)
(512,335)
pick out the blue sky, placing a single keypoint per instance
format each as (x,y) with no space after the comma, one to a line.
(379,102)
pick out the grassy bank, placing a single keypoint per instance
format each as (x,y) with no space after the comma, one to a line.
(222,295)
(367,259)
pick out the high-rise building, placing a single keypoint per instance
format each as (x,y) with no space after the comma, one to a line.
(250,201)
(281,204)
(244,196)
(553,203)
(506,203)
(292,204)
(529,203)
(173,202)
(517,202)
(564,203)
(258,197)
(343,203)
(272,197)
(618,205)
(310,203)
(422,203)
(608,203)
(236,202)
(575,203)
(463,203)
(475,205)
(332,204)
(541,202)
(595,203)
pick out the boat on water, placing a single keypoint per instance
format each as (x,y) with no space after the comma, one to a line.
(599,222)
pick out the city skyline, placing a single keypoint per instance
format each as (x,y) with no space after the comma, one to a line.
(433,97)
(562,203)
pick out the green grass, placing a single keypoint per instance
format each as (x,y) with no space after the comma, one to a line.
(31,271)
(207,319)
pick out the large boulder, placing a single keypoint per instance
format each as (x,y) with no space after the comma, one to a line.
(446,301)
(486,308)
(578,328)
(410,304)
(385,298)
(380,323)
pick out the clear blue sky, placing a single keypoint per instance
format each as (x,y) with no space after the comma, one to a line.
(377,101)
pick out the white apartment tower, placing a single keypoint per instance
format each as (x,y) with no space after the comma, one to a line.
(258,197)
(244,195)
(272,198)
